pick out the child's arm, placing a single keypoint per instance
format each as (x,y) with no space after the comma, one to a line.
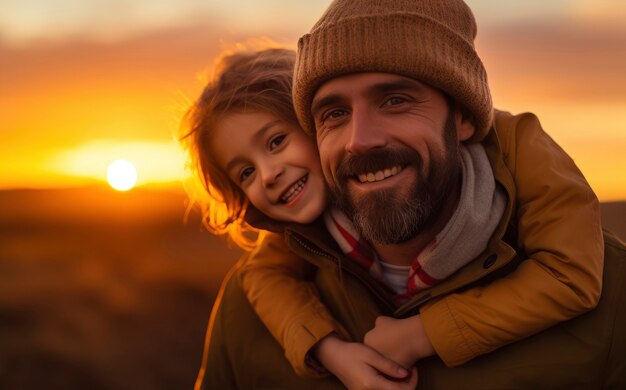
(559,231)
(274,281)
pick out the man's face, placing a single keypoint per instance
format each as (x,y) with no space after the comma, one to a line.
(389,149)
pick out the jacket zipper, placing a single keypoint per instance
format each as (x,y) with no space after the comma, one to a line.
(312,248)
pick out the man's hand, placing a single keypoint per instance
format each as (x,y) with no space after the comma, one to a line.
(358,366)
(403,341)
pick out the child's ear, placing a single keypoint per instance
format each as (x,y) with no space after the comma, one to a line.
(464,121)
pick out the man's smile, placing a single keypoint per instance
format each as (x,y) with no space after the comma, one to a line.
(397,178)
(371,177)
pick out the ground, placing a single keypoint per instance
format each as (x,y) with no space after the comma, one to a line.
(108,290)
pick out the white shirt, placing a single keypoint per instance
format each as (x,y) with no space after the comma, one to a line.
(396,276)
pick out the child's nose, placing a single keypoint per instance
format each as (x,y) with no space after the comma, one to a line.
(272,174)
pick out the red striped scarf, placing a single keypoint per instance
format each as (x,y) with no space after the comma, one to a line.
(356,248)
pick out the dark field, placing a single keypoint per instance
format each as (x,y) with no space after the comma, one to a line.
(108,290)
(104,290)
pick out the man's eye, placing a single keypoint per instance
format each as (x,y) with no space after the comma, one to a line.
(276,141)
(245,173)
(333,114)
(395,100)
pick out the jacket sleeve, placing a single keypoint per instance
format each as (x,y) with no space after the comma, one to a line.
(275,282)
(559,232)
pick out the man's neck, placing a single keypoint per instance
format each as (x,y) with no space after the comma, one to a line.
(405,253)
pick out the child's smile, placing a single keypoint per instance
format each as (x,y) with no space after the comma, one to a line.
(290,196)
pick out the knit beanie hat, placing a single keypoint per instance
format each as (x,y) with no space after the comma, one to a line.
(428,40)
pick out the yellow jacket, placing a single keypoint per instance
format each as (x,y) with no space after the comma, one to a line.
(552,218)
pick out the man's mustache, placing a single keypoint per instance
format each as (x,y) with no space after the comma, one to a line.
(377,160)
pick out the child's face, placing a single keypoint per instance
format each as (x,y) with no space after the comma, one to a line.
(275,164)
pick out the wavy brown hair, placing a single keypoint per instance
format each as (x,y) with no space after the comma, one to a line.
(249,81)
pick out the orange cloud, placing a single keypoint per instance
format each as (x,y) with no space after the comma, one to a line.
(57,97)
(561,61)
(603,14)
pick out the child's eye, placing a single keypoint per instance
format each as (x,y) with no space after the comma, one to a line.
(245,173)
(276,141)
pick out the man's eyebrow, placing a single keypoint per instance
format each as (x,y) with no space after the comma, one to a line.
(258,137)
(329,100)
(402,84)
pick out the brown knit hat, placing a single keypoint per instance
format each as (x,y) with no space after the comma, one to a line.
(427,40)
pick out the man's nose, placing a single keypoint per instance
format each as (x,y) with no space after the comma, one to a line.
(364,132)
(271,173)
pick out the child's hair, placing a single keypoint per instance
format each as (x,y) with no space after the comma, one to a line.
(243,82)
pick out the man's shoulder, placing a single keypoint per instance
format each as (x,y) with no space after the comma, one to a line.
(505,123)
(510,132)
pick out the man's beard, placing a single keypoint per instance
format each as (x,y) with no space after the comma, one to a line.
(391,216)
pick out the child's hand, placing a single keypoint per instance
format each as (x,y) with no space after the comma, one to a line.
(358,366)
(403,341)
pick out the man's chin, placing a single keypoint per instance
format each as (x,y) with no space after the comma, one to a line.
(385,217)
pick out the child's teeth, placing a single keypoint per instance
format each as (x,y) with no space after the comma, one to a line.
(294,190)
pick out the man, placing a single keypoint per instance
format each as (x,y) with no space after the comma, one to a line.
(394,93)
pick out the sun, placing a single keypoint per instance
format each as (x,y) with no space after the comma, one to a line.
(122,175)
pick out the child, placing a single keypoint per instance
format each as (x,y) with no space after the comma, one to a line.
(257,165)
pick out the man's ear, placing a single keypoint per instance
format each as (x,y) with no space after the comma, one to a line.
(464,121)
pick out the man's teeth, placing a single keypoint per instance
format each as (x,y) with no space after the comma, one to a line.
(294,190)
(371,177)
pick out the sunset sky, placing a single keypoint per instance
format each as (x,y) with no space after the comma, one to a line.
(84,83)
